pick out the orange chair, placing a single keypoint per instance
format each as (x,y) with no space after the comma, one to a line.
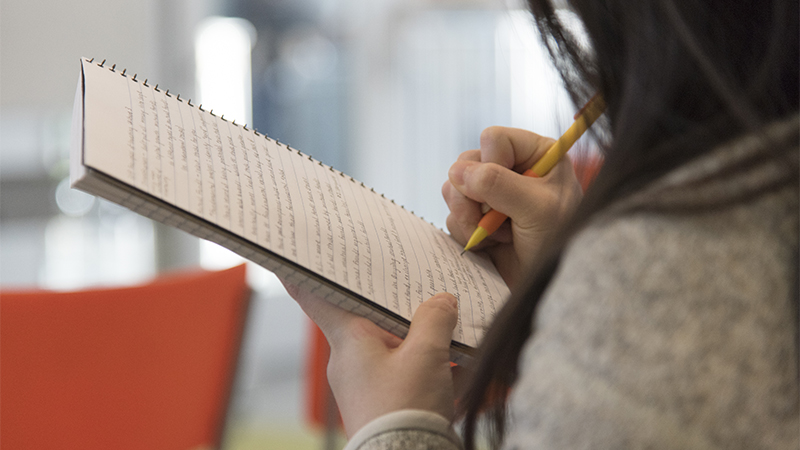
(587,166)
(321,410)
(148,367)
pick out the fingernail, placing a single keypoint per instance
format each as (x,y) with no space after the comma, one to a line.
(449,298)
(456,172)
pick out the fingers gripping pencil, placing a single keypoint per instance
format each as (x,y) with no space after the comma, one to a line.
(583,120)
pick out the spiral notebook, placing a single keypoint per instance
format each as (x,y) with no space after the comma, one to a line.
(168,159)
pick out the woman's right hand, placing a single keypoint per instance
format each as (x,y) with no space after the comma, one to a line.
(491,176)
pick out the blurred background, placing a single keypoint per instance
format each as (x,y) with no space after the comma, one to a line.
(388,91)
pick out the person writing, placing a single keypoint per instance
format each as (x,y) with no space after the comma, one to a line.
(658,311)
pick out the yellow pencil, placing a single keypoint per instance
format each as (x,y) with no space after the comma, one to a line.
(583,120)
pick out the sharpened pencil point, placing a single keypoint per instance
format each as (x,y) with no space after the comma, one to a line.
(476,238)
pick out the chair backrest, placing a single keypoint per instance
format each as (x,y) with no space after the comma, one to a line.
(320,410)
(147,367)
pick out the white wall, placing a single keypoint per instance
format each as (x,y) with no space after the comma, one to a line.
(42,40)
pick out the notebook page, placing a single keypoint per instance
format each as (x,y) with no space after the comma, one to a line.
(282,200)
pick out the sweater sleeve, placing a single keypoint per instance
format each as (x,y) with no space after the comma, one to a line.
(668,332)
(406,430)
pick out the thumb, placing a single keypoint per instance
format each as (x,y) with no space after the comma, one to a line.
(495,185)
(433,323)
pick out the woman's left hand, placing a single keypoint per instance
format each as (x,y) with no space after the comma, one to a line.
(372,372)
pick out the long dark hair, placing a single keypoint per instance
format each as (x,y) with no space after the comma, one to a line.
(679,78)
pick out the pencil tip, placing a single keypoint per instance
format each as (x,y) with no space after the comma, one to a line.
(478,235)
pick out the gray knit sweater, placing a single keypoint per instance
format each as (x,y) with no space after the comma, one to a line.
(661,330)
